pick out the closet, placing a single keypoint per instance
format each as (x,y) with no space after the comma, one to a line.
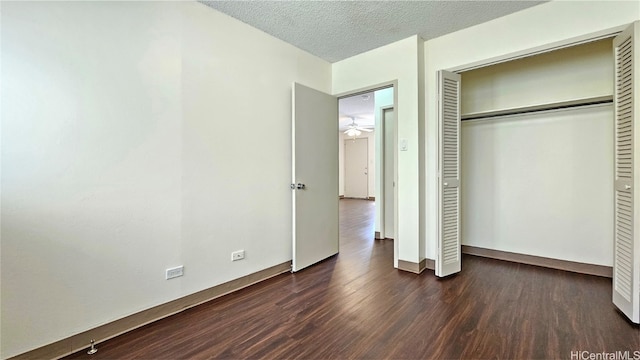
(527,152)
(536,155)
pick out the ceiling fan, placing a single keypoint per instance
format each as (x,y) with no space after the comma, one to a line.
(355,129)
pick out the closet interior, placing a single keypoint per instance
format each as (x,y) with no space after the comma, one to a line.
(537,155)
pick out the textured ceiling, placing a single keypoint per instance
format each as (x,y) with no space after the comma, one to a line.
(336,30)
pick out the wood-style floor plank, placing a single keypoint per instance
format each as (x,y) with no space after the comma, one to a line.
(357,306)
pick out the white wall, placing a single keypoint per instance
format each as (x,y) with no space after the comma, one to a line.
(394,62)
(537,26)
(117,159)
(540,184)
(371,154)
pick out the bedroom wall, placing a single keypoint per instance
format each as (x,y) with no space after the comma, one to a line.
(137,136)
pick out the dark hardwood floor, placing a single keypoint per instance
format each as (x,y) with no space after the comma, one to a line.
(356,305)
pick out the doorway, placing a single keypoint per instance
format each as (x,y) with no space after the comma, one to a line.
(367,154)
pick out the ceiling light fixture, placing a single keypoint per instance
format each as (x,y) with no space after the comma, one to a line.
(353,132)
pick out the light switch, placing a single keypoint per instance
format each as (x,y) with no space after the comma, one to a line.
(404,145)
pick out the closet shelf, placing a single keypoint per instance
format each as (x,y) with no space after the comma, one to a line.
(537,108)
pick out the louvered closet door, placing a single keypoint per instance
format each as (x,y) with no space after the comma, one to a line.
(448,258)
(626,264)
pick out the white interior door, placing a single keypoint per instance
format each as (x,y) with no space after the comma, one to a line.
(389,172)
(626,264)
(356,173)
(314,176)
(448,257)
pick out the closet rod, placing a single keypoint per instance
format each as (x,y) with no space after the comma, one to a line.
(539,108)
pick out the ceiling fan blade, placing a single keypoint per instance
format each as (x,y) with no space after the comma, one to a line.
(364,129)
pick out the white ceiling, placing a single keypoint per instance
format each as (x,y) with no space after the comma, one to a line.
(336,30)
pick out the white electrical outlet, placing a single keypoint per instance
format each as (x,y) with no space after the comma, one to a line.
(175,272)
(237,255)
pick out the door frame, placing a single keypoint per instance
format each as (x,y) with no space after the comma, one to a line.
(383,169)
(378,148)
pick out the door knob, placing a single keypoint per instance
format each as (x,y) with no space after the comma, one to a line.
(627,187)
(300,186)
(446,184)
